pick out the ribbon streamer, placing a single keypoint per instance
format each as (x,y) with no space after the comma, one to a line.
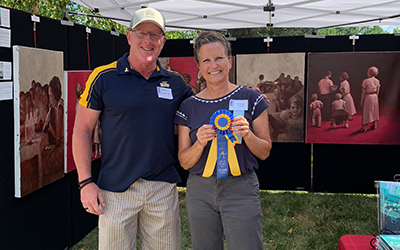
(222,150)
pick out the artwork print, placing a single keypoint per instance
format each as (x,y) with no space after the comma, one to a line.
(353,98)
(187,68)
(39,118)
(389,207)
(280,77)
(76,85)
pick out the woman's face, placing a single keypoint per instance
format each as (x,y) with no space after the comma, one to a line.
(295,109)
(214,64)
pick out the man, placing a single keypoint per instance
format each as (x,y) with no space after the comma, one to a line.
(136,100)
(325,88)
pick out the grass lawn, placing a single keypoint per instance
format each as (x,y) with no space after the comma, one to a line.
(296,220)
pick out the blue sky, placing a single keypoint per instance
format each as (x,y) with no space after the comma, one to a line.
(390,28)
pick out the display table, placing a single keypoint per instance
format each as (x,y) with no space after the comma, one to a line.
(355,242)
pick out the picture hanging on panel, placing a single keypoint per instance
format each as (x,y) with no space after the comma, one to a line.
(39,118)
(187,68)
(353,98)
(280,77)
(76,81)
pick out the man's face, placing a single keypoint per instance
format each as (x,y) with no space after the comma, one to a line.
(144,49)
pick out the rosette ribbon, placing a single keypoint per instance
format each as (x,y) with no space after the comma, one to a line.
(222,150)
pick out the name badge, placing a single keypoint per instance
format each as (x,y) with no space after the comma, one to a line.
(164,93)
(238,105)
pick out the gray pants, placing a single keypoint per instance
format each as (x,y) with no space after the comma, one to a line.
(226,206)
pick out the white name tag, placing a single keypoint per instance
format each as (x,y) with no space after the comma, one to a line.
(165,93)
(238,105)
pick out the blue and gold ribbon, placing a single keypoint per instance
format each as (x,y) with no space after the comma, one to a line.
(222,150)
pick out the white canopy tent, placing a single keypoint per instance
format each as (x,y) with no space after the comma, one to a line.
(232,14)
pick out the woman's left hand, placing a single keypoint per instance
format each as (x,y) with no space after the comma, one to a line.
(240,125)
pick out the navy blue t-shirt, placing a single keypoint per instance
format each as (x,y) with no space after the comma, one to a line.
(194,112)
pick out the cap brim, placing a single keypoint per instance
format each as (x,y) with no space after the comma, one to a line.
(150,21)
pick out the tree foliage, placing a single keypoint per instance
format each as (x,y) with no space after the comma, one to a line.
(181,34)
(274,32)
(55,8)
(343,31)
(268,32)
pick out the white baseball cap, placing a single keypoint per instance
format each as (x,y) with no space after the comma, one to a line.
(148,15)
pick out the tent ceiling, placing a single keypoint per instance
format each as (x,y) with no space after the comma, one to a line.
(233,14)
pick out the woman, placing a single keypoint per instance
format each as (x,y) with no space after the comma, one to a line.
(369,100)
(288,126)
(345,89)
(222,206)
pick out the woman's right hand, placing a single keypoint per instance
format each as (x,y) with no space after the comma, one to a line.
(206,133)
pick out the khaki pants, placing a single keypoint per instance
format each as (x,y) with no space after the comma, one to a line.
(149,209)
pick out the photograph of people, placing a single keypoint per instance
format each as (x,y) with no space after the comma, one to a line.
(316,106)
(325,87)
(41,134)
(369,98)
(339,112)
(222,208)
(346,95)
(279,77)
(288,124)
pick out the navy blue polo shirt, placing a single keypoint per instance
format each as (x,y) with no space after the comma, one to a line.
(137,122)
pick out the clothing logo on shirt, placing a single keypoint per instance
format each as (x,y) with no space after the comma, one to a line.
(164,84)
(126,70)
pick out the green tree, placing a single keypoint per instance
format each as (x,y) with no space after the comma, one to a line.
(343,31)
(274,32)
(181,34)
(55,8)
(268,32)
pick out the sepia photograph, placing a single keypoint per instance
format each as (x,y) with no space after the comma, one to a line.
(39,106)
(281,78)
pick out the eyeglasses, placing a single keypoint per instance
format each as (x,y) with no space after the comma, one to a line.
(142,34)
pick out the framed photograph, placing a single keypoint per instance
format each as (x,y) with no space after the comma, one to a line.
(76,81)
(281,78)
(353,98)
(39,116)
